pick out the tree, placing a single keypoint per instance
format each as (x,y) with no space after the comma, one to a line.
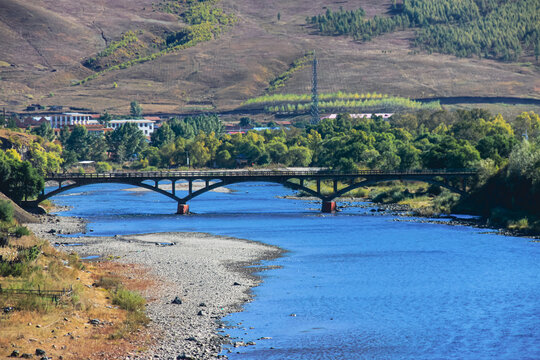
(450,154)
(162,136)
(277,151)
(136,109)
(409,155)
(105,119)
(69,158)
(78,141)
(199,154)
(45,131)
(19,179)
(527,123)
(245,122)
(298,156)
(64,135)
(126,141)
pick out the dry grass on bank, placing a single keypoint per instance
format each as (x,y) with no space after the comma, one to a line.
(64,329)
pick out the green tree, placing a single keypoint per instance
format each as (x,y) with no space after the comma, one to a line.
(69,158)
(450,154)
(245,122)
(105,119)
(162,136)
(135,109)
(19,179)
(298,156)
(126,142)
(45,131)
(199,154)
(77,141)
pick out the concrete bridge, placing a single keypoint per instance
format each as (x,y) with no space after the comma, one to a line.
(454,180)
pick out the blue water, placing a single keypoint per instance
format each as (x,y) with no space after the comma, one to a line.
(362,286)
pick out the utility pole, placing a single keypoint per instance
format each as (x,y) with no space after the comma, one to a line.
(314,94)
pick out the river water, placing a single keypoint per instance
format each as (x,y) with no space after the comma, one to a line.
(354,285)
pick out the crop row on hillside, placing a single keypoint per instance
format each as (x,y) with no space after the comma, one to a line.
(386,104)
(301,98)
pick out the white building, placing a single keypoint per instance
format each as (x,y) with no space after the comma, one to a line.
(146,126)
(361,116)
(67,119)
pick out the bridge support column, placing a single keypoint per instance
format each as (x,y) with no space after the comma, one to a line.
(183,209)
(328,207)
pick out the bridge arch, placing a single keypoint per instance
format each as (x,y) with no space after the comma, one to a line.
(293,179)
(220,183)
(368,182)
(76,184)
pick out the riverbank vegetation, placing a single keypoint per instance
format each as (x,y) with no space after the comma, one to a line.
(51,300)
(424,139)
(502,30)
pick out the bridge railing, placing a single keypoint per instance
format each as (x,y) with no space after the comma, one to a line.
(256,173)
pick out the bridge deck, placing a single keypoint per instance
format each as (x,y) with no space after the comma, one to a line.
(294,179)
(323,174)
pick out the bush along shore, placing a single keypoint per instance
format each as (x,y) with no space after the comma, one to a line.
(418,199)
(188,282)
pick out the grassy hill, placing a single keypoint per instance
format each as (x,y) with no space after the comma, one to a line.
(44,46)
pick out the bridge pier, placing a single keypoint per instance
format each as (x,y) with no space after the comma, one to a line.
(183,209)
(328,207)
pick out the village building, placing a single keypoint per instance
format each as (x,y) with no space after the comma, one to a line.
(146,126)
(361,116)
(66,119)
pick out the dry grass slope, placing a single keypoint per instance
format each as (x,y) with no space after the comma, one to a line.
(47,36)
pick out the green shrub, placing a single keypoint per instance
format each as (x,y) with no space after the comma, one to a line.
(109,282)
(21,231)
(15,269)
(128,300)
(102,167)
(30,254)
(6,211)
(520,224)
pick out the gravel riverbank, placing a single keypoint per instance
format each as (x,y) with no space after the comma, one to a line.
(207,273)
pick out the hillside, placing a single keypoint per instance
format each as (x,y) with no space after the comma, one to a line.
(45,44)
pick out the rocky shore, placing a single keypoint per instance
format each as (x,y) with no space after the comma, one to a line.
(408,212)
(202,278)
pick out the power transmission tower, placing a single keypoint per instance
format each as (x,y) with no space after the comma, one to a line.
(314,94)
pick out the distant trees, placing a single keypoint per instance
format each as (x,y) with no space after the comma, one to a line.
(190,126)
(485,28)
(423,139)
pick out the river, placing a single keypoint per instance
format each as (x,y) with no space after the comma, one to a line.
(353,285)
